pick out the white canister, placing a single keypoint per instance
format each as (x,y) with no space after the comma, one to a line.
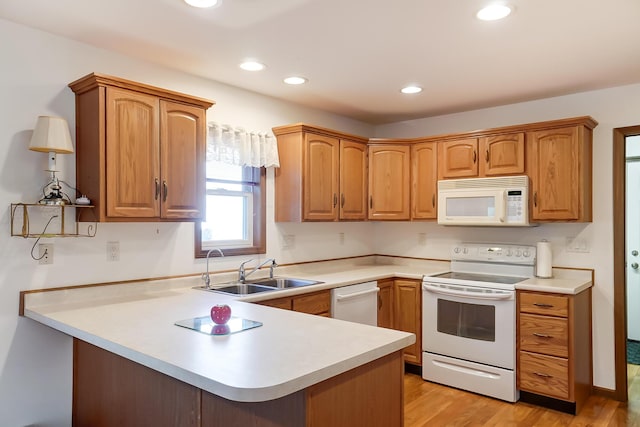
(544,260)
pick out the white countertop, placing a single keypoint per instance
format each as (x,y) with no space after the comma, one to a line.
(290,352)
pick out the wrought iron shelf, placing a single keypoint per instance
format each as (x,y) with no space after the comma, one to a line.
(21,210)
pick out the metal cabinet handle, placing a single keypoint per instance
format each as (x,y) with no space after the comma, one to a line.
(486,156)
(475,156)
(542,335)
(379,302)
(543,375)
(157,189)
(165,190)
(342,200)
(370,202)
(535,199)
(335,200)
(433,200)
(542,305)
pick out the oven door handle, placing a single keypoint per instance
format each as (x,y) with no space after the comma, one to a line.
(473,295)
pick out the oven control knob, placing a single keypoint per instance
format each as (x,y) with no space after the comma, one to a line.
(509,252)
(465,251)
(456,250)
(518,252)
(526,254)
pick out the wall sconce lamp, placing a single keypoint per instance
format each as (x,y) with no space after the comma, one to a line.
(51,135)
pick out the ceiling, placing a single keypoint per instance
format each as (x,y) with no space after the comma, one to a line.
(357,54)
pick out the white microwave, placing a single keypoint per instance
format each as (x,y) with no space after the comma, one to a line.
(501,201)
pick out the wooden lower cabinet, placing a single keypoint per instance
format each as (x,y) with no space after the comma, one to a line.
(554,348)
(109,390)
(407,315)
(318,303)
(385,303)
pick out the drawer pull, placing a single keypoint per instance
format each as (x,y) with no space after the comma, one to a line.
(542,305)
(542,335)
(540,374)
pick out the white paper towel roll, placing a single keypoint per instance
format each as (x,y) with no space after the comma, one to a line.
(544,259)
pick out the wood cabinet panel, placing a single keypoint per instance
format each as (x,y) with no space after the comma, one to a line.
(283,303)
(385,303)
(458,158)
(502,154)
(389,182)
(546,375)
(544,334)
(560,171)
(424,185)
(315,303)
(407,315)
(320,177)
(109,390)
(353,180)
(132,154)
(546,304)
(182,149)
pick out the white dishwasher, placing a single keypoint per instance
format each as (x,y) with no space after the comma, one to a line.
(356,303)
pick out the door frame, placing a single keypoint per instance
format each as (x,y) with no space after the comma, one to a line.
(619,272)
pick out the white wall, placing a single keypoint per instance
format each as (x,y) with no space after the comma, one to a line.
(35,378)
(612,108)
(35,373)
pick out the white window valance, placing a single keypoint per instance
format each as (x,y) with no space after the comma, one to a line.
(236,146)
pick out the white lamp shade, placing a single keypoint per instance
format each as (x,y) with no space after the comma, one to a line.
(51,135)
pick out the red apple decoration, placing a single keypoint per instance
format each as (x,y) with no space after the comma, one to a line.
(220,314)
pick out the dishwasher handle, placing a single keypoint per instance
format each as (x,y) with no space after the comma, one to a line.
(344,297)
(491,296)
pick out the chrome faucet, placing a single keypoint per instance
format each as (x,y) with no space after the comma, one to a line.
(205,276)
(242,275)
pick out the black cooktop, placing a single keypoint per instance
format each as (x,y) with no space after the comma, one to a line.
(476,277)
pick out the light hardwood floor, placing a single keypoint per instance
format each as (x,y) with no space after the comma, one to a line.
(428,404)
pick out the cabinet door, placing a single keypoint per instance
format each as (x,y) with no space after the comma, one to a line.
(458,158)
(320,178)
(389,182)
(555,176)
(408,316)
(182,143)
(353,180)
(385,304)
(132,154)
(424,186)
(502,154)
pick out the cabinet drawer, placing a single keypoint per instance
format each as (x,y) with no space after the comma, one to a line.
(543,334)
(316,303)
(551,305)
(546,375)
(284,303)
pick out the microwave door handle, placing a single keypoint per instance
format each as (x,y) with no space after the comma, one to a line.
(474,295)
(503,211)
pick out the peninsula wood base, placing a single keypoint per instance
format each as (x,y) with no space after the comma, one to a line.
(111,390)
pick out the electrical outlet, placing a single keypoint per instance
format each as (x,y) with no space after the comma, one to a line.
(113,251)
(575,244)
(288,241)
(341,238)
(46,253)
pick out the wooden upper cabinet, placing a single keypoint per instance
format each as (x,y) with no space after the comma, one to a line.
(389,182)
(353,180)
(502,154)
(424,182)
(140,150)
(182,137)
(559,165)
(320,177)
(458,158)
(132,154)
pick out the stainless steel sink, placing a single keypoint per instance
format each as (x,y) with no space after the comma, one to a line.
(242,289)
(284,282)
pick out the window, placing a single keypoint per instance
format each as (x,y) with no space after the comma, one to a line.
(235,211)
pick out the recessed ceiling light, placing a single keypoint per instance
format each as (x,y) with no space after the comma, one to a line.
(202,3)
(295,80)
(494,12)
(252,66)
(411,89)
